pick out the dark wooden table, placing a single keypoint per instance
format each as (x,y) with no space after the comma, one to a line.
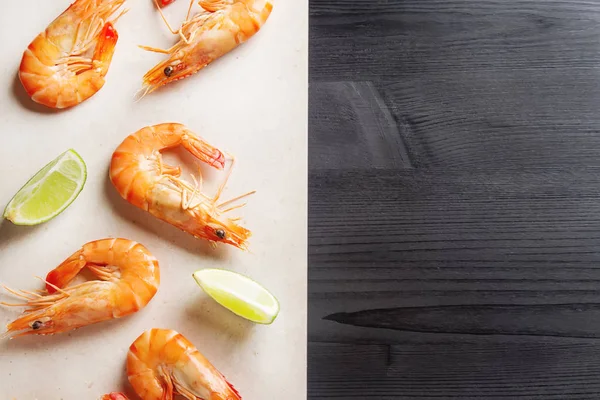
(454,199)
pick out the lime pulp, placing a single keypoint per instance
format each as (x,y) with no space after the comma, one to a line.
(239,294)
(49,192)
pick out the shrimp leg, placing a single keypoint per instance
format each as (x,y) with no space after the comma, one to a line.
(222,187)
(168,169)
(90,72)
(162,15)
(180,30)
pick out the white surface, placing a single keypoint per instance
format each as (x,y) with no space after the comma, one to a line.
(251,103)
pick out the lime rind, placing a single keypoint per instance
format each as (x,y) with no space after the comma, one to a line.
(59,190)
(239,294)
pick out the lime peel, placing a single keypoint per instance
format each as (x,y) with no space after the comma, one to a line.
(49,192)
(240,294)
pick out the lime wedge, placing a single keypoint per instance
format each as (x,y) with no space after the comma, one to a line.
(240,294)
(49,192)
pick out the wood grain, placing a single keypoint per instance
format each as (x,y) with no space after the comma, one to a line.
(362,40)
(463,369)
(454,208)
(355,129)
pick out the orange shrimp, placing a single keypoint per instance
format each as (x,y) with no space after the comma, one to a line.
(128,278)
(221,27)
(66,63)
(143,179)
(162,363)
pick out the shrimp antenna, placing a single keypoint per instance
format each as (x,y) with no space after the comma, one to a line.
(54,286)
(22,294)
(235,199)
(162,15)
(123,12)
(5,335)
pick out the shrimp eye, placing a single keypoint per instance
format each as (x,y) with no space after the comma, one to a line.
(220,233)
(36,325)
(168,71)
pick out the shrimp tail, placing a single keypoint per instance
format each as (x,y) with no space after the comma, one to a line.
(203,151)
(105,49)
(60,276)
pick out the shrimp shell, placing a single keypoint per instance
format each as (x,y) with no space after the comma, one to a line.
(221,27)
(66,63)
(128,278)
(162,363)
(141,177)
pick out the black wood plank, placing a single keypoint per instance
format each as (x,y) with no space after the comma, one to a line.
(364,40)
(468,83)
(389,239)
(454,215)
(455,370)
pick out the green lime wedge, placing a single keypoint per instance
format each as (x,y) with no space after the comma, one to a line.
(49,192)
(240,294)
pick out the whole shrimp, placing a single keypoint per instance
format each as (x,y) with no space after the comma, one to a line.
(143,179)
(128,278)
(66,63)
(219,28)
(162,363)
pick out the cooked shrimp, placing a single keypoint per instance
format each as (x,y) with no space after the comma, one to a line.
(162,363)
(219,28)
(66,63)
(128,278)
(142,178)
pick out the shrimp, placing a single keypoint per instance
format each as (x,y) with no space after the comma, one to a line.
(66,63)
(162,363)
(128,278)
(221,27)
(143,179)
